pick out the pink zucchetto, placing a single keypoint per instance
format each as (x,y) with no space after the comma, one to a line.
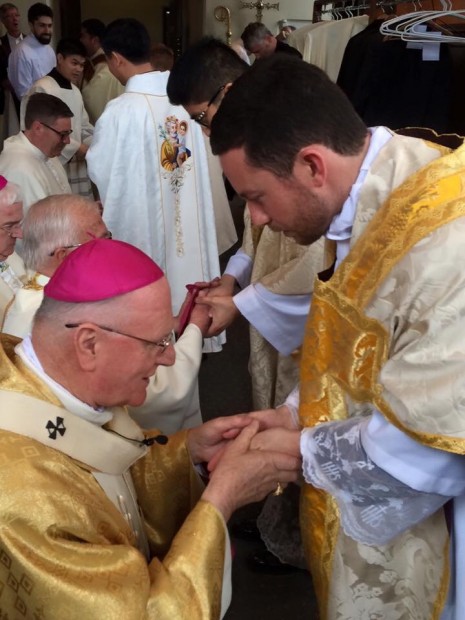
(101,269)
(3,182)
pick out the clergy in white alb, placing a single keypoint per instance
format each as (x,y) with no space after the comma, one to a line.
(61,82)
(149,163)
(30,159)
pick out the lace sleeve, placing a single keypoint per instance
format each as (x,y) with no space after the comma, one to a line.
(375,507)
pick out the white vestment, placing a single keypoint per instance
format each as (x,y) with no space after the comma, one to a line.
(323,43)
(154,195)
(37,175)
(83,131)
(28,62)
(12,273)
(172,401)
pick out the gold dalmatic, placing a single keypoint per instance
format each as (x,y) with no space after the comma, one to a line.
(344,352)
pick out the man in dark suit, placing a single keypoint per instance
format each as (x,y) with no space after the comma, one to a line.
(10,18)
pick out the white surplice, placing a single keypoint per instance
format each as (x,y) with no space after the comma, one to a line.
(83,131)
(156,195)
(37,175)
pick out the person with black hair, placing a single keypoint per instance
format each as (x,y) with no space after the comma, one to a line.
(99,85)
(272,270)
(381,414)
(33,57)
(31,157)
(62,82)
(151,198)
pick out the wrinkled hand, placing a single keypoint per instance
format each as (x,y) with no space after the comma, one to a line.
(205,441)
(272,418)
(243,475)
(278,439)
(222,311)
(199,315)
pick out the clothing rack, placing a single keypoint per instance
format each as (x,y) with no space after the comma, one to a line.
(343,9)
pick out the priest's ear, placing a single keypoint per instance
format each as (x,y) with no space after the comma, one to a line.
(116,64)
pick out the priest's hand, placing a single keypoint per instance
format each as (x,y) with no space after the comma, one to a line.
(225,286)
(198,315)
(281,417)
(80,154)
(203,442)
(211,284)
(244,475)
(222,311)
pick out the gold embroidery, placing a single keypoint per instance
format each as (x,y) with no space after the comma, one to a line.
(344,350)
(32,283)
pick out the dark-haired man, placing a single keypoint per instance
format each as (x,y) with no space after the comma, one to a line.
(99,85)
(33,57)
(383,358)
(31,158)
(154,199)
(272,270)
(275,275)
(62,82)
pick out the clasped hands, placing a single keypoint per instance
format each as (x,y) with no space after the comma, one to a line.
(247,455)
(216,297)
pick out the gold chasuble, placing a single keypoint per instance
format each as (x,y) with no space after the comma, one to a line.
(379,334)
(66,551)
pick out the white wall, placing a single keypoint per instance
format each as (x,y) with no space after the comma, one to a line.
(288,9)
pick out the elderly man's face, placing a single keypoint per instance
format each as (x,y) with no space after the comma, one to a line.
(10,228)
(11,21)
(126,362)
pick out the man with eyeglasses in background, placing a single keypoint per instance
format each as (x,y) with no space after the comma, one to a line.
(12,271)
(31,158)
(63,81)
